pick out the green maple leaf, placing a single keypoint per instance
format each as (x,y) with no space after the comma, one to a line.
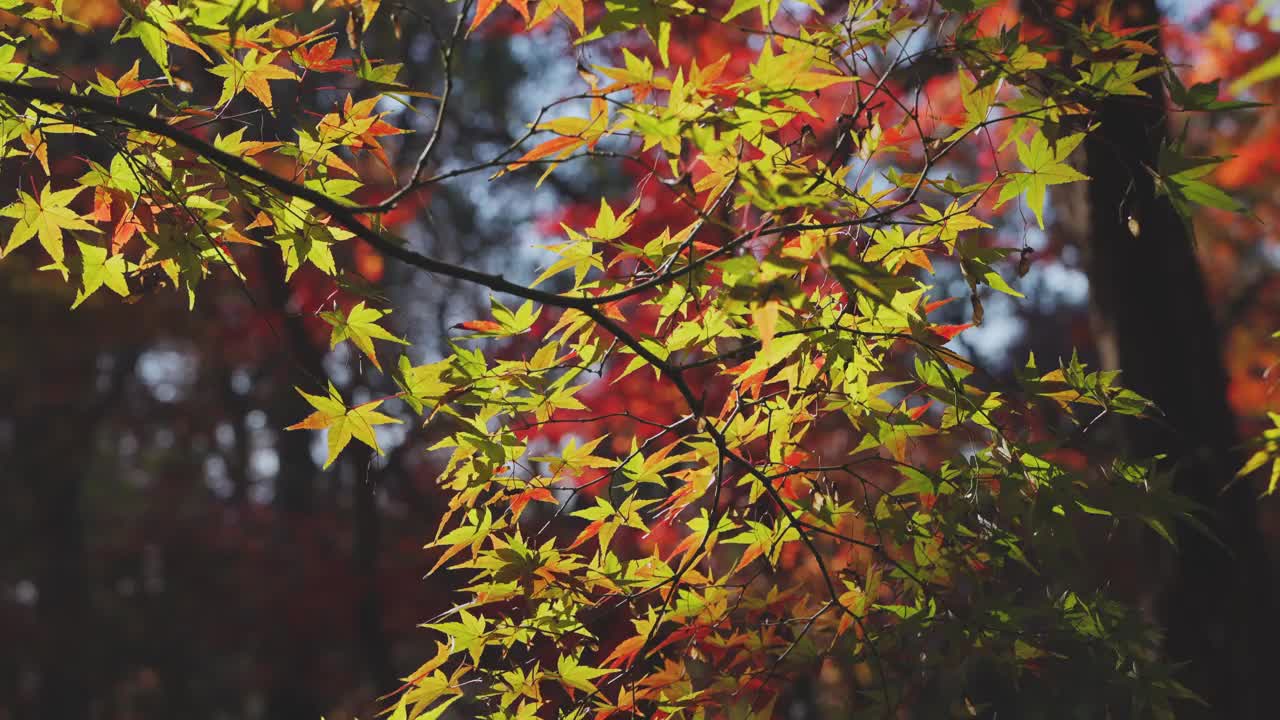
(360,326)
(1045,166)
(45,217)
(768,8)
(977,105)
(11,71)
(1180,178)
(579,255)
(654,17)
(343,423)
(100,268)
(578,676)
(947,225)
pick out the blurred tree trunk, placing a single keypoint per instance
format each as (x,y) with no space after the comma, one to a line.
(57,411)
(291,649)
(62,583)
(1153,321)
(375,647)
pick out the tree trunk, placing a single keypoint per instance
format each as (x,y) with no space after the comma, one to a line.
(290,651)
(1154,322)
(63,584)
(375,647)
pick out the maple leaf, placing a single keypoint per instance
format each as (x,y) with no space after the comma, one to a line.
(572,133)
(768,9)
(290,40)
(11,70)
(485,8)
(578,676)
(636,76)
(578,255)
(369,8)
(1179,177)
(252,74)
(1270,452)
(977,105)
(949,332)
(765,318)
(131,217)
(360,326)
(364,127)
(523,498)
(1045,166)
(947,225)
(100,268)
(465,536)
(571,9)
(343,423)
(235,144)
(319,57)
(126,84)
(467,633)
(480,326)
(45,217)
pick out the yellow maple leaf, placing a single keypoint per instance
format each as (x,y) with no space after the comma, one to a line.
(343,423)
(252,74)
(45,217)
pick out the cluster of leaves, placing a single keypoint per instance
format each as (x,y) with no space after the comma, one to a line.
(826,486)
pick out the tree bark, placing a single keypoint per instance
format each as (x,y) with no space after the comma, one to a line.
(1154,323)
(375,647)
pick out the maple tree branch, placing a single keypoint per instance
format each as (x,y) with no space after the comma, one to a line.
(446,55)
(344,214)
(347,216)
(824,572)
(767,229)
